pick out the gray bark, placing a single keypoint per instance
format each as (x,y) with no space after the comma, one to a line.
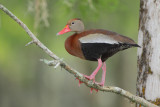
(148,80)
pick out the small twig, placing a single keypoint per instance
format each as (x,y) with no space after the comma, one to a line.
(78,75)
(54,63)
(29,43)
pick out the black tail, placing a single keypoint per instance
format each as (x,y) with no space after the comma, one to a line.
(127,45)
(135,45)
(123,46)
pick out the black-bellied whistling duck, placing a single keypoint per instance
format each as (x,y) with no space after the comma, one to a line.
(94,45)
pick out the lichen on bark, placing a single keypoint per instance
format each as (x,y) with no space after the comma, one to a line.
(148,79)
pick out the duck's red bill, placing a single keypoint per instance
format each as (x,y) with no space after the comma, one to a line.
(65,30)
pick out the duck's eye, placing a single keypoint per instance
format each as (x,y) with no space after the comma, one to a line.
(72,23)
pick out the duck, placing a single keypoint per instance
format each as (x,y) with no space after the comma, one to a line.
(94,45)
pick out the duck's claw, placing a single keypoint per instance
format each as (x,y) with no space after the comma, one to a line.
(89,77)
(93,89)
(80,82)
(101,83)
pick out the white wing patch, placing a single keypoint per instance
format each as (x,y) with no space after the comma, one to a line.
(98,38)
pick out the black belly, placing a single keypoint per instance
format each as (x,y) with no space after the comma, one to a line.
(94,51)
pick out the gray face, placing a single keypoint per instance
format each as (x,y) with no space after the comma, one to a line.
(77,26)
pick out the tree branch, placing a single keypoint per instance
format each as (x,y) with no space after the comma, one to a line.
(78,75)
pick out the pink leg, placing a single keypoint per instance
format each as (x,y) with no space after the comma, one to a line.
(103,74)
(92,76)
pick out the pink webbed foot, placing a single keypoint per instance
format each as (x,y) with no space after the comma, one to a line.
(90,77)
(80,82)
(101,83)
(93,78)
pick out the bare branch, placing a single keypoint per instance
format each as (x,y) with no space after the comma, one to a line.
(78,75)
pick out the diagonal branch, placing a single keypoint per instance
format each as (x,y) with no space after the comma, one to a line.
(78,75)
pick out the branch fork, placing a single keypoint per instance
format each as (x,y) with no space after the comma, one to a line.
(54,63)
(29,43)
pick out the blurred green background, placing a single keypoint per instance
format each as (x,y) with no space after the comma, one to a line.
(27,82)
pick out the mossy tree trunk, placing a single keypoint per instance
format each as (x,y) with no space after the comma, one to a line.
(148,80)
